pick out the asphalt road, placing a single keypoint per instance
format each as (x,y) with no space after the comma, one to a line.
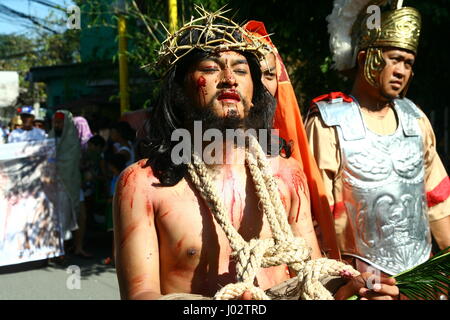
(77,279)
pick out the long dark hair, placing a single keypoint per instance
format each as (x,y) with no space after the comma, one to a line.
(169,113)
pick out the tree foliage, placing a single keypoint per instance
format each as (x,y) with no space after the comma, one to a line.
(298,29)
(300,33)
(41,46)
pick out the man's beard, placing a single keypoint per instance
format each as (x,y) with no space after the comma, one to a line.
(260,116)
(257,117)
(211,119)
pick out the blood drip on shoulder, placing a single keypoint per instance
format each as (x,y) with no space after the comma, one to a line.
(127,186)
(299,181)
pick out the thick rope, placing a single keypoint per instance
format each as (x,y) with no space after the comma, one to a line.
(283,248)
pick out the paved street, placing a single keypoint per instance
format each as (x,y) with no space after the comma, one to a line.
(52,282)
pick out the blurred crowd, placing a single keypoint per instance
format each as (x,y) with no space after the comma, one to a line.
(90,155)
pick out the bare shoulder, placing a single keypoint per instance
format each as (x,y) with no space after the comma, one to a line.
(285,166)
(139,174)
(290,172)
(136,189)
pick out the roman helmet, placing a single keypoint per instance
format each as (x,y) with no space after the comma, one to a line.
(353,27)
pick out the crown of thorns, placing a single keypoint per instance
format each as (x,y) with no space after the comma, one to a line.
(216,33)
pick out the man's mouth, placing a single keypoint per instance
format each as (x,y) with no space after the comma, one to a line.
(396,84)
(229,97)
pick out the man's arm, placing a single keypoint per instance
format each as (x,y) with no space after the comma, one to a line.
(135,236)
(441,232)
(437,185)
(324,145)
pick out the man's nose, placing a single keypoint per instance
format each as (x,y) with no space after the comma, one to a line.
(228,77)
(400,70)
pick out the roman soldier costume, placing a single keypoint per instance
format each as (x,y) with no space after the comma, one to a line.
(384,187)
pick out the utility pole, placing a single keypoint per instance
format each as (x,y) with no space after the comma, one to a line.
(123,63)
(173,15)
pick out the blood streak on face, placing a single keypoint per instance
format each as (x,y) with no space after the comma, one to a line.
(201,82)
(201,87)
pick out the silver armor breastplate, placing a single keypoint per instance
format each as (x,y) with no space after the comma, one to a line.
(384,190)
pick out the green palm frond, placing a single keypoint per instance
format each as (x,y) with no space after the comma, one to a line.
(426,279)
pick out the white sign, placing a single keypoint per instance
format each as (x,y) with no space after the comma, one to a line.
(29,222)
(9,88)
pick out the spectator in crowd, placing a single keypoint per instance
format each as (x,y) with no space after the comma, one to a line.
(84,134)
(68,170)
(15,123)
(80,233)
(101,126)
(27,132)
(92,163)
(123,136)
(39,123)
(93,170)
(84,131)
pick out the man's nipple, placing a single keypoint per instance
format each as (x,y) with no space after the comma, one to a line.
(191,252)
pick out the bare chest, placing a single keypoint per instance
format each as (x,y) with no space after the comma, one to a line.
(194,248)
(189,225)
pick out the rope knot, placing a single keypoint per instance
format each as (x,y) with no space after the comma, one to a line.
(293,252)
(250,257)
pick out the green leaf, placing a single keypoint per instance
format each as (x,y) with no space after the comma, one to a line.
(427,279)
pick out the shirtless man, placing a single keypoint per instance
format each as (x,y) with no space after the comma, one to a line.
(166,239)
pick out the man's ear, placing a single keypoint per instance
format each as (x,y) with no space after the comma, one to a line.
(361,58)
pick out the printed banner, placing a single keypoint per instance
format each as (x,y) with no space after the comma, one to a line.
(29,222)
